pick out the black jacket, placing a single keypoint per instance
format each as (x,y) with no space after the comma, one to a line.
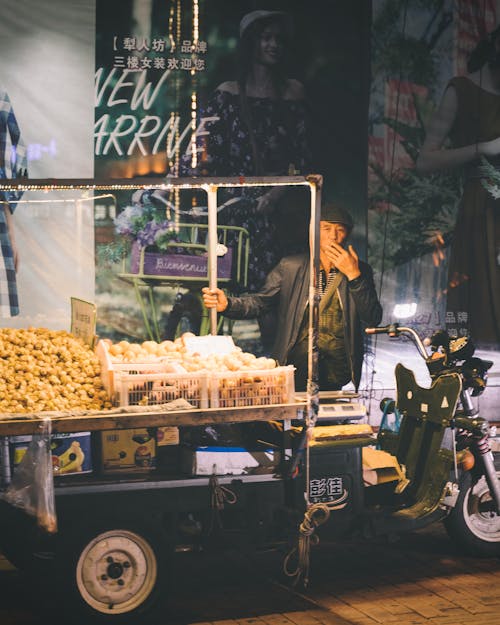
(287,290)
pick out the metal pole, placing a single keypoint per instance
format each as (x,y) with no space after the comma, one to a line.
(5,474)
(212,250)
(314,297)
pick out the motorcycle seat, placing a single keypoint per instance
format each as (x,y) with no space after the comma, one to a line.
(420,444)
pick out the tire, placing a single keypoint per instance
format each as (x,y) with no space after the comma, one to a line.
(112,575)
(473,524)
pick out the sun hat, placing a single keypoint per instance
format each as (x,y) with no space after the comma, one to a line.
(335,213)
(254,16)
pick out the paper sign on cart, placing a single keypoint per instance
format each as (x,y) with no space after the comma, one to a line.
(83,320)
(209,344)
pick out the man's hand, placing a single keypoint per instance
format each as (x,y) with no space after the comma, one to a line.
(214,298)
(345,260)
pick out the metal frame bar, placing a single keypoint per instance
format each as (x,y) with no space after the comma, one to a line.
(211,185)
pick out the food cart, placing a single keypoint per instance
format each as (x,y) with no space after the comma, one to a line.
(104,538)
(99,543)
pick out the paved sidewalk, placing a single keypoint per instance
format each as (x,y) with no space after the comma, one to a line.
(421,579)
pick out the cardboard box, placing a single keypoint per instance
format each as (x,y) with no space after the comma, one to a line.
(228,461)
(71,453)
(344,431)
(380,467)
(167,435)
(128,450)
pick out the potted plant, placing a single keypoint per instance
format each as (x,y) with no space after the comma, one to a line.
(157,245)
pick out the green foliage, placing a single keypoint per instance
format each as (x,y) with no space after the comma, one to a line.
(407,56)
(395,53)
(419,217)
(413,213)
(112,253)
(490,177)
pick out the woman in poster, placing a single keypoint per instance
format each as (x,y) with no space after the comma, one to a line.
(469,117)
(13,164)
(259,128)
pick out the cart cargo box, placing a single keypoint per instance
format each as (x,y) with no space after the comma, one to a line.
(336,473)
(71,453)
(128,450)
(229,461)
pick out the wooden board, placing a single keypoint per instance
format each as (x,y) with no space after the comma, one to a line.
(125,418)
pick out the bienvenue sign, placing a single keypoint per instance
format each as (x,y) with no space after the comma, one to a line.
(178,265)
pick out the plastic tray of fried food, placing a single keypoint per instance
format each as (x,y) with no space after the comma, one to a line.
(252,388)
(133,359)
(153,389)
(217,380)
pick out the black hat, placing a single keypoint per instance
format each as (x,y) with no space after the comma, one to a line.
(337,214)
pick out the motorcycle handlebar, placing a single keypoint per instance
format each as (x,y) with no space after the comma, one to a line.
(381,330)
(393,330)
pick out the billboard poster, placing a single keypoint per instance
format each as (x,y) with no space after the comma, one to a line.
(121,89)
(433,218)
(178,92)
(46,121)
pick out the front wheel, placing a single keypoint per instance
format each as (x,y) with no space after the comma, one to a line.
(473,523)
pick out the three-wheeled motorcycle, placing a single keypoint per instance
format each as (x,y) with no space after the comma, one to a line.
(110,559)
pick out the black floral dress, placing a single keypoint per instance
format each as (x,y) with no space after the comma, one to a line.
(280,137)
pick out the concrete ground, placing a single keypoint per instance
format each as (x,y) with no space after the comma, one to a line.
(420,579)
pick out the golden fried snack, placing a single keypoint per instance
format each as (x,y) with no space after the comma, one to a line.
(44,369)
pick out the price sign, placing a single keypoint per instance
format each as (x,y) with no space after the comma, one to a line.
(206,345)
(83,321)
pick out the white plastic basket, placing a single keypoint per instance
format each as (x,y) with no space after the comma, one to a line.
(252,388)
(152,389)
(110,369)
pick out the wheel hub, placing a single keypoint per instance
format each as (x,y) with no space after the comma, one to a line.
(480,515)
(116,572)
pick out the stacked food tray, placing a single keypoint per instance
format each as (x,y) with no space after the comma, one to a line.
(252,388)
(150,383)
(163,380)
(153,389)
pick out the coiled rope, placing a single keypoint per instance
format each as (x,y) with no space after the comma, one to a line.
(219,495)
(315,515)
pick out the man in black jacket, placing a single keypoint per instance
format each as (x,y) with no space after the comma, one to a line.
(348,300)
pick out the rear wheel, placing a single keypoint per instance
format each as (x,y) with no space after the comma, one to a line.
(474,523)
(116,572)
(115,575)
